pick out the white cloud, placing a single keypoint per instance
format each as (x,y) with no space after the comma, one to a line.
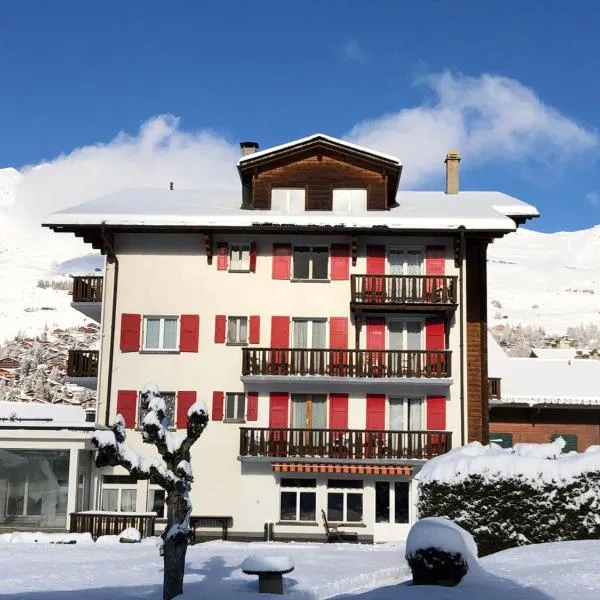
(593,198)
(487,118)
(351,50)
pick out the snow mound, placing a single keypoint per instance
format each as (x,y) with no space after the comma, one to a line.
(552,450)
(494,462)
(30,537)
(108,540)
(131,534)
(266,563)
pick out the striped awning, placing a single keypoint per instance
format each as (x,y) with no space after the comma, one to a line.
(343,469)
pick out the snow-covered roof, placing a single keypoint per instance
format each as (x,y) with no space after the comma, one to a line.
(534,381)
(311,138)
(416,210)
(554,353)
(52,416)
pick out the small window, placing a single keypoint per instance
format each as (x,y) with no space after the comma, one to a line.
(349,200)
(288,199)
(344,500)
(505,440)
(237,330)
(298,499)
(311,262)
(160,333)
(235,407)
(239,257)
(169,398)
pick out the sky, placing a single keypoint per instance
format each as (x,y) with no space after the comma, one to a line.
(111,94)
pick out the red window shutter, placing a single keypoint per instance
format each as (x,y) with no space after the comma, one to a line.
(184,402)
(222,256)
(278,410)
(217,406)
(254,334)
(435,334)
(375,260)
(435,260)
(127,406)
(252,406)
(131,326)
(436,413)
(340,261)
(338,411)
(375,333)
(282,261)
(253,257)
(220,326)
(338,332)
(375,411)
(189,330)
(280,332)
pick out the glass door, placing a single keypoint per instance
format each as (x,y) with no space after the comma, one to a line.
(392,510)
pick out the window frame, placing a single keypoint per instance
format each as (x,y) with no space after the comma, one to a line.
(350,207)
(172,422)
(298,490)
(119,487)
(161,333)
(404,250)
(406,411)
(243,247)
(238,320)
(288,199)
(419,321)
(336,486)
(311,249)
(236,397)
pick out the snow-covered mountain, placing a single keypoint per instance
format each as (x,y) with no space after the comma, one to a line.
(552,280)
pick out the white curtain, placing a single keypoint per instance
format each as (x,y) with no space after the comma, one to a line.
(109,500)
(319,334)
(128,500)
(300,334)
(396,262)
(413,262)
(299,410)
(397,414)
(152,333)
(170,334)
(415,414)
(319,411)
(413,335)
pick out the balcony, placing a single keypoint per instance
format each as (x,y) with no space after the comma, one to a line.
(380,364)
(82,367)
(347,444)
(421,293)
(87,296)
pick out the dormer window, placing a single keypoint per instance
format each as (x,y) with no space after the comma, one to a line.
(349,200)
(288,199)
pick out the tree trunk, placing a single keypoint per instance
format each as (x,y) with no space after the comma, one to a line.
(175,545)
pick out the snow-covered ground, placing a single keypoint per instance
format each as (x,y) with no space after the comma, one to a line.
(562,571)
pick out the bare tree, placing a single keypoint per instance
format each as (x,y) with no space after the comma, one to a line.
(172,471)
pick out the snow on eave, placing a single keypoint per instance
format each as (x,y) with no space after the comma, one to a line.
(310,138)
(571,401)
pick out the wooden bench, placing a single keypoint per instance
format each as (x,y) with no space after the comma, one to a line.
(210,521)
(270,571)
(335,535)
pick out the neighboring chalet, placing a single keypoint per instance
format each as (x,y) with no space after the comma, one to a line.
(335,326)
(538,399)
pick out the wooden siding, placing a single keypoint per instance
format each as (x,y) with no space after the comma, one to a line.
(476,368)
(319,176)
(539,425)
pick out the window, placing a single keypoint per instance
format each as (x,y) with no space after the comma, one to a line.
(404,335)
(235,406)
(239,257)
(34,487)
(392,500)
(347,200)
(119,493)
(237,330)
(311,262)
(160,333)
(169,398)
(345,500)
(309,333)
(288,199)
(405,261)
(157,501)
(406,414)
(298,499)
(503,439)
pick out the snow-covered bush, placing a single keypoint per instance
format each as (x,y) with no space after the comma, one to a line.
(505,499)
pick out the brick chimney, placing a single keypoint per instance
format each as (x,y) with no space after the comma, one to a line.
(452,160)
(248,148)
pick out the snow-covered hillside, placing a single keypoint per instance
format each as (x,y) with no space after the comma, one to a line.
(547,279)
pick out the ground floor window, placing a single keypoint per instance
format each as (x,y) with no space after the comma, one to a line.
(119,493)
(157,501)
(34,487)
(392,501)
(344,500)
(298,499)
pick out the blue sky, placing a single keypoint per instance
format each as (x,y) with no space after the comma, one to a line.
(76,73)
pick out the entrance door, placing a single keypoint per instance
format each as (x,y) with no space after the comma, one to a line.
(392,510)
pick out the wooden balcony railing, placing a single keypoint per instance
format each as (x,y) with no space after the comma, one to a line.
(99,523)
(494,388)
(404,289)
(346,363)
(87,289)
(354,444)
(82,363)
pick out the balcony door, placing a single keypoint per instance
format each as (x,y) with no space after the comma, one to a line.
(309,412)
(392,510)
(405,261)
(404,335)
(309,334)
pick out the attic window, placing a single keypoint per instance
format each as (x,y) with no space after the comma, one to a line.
(288,199)
(350,200)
